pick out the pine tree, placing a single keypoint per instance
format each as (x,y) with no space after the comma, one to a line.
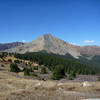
(43,70)
(58,72)
(14,68)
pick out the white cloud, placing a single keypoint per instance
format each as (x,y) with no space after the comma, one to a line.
(23,41)
(89,41)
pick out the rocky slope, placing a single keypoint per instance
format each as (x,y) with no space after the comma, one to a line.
(50,44)
(54,45)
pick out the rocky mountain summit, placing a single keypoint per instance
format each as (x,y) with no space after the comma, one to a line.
(51,44)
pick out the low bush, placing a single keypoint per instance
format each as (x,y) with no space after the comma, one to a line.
(43,70)
(58,72)
(71,76)
(26,72)
(35,68)
(14,68)
(17,61)
(9,60)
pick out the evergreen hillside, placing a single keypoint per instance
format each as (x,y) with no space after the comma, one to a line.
(70,64)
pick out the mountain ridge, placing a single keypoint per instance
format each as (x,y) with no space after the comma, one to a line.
(4,46)
(51,44)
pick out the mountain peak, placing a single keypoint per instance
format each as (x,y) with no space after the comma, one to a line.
(48,35)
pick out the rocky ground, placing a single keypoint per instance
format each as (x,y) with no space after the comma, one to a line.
(17,87)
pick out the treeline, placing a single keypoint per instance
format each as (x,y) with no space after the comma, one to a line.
(51,61)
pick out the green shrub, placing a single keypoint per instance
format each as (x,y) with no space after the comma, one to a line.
(26,72)
(58,72)
(17,61)
(43,70)
(71,76)
(35,68)
(14,68)
(29,72)
(9,60)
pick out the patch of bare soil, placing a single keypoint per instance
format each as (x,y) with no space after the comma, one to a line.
(71,88)
(97,89)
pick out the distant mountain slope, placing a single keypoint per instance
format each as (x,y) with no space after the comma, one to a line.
(10,45)
(54,45)
(90,50)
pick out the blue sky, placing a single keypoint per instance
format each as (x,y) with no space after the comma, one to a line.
(75,21)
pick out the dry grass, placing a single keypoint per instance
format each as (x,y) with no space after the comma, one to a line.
(16,87)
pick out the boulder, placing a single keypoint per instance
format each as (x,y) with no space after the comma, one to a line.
(86,84)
